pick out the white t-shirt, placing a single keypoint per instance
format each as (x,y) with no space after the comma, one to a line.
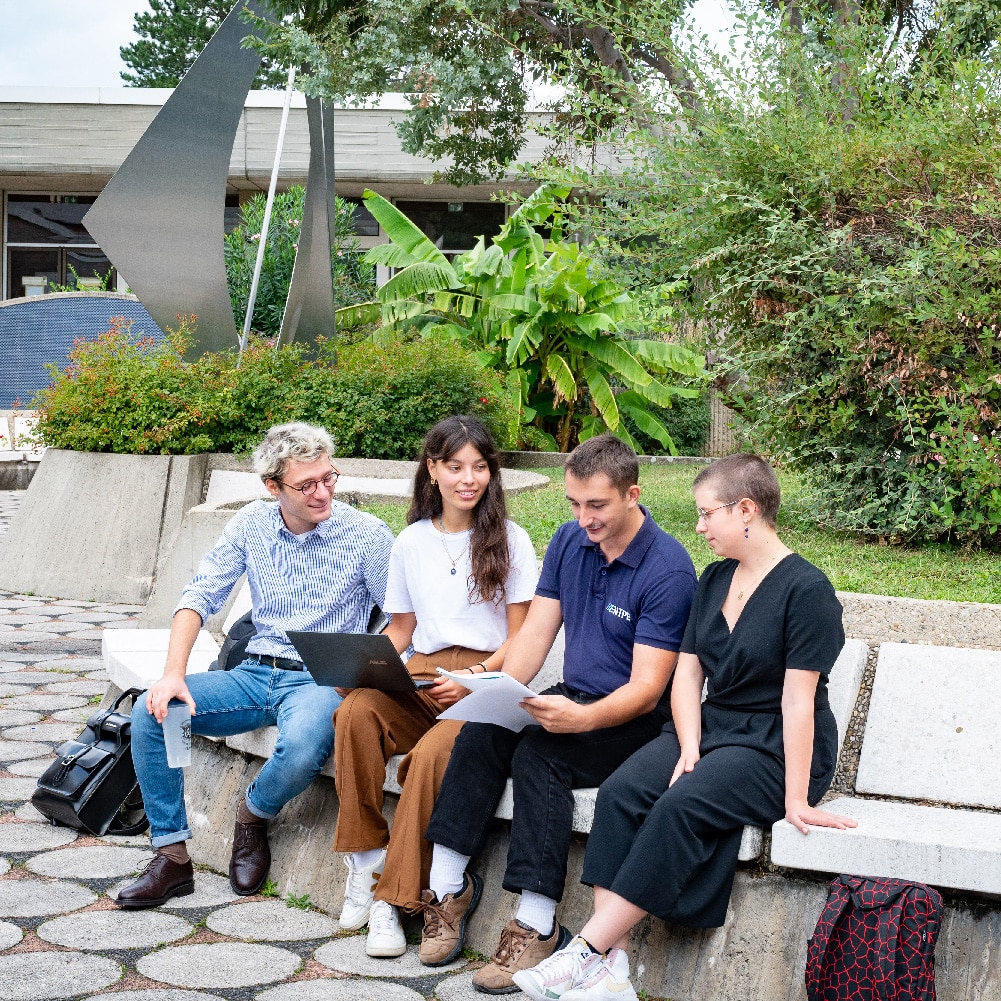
(421,581)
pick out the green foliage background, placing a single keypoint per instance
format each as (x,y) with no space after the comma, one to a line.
(353,281)
(126,393)
(830,216)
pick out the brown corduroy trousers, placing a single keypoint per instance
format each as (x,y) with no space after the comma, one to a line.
(369,728)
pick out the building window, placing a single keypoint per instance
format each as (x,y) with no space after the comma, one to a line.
(455,226)
(362,221)
(46,238)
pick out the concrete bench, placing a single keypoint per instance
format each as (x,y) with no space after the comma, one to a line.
(929,760)
(134,658)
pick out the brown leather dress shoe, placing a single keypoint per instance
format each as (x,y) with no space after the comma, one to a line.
(248,867)
(162,880)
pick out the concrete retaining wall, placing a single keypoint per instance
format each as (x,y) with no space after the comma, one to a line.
(95,526)
(758,955)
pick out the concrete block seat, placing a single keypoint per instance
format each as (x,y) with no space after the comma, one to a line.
(928,787)
(846,680)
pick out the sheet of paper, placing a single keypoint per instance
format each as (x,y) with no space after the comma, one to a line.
(493,698)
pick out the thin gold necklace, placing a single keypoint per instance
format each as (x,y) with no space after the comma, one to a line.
(740,593)
(441,535)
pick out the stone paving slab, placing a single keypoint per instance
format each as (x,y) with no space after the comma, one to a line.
(18,637)
(41,976)
(9,935)
(34,837)
(35,898)
(54,733)
(18,750)
(4,866)
(221,964)
(78,715)
(73,665)
(347,955)
(33,677)
(27,811)
(46,703)
(271,921)
(7,689)
(340,990)
(458,988)
(14,790)
(32,767)
(17,717)
(93,862)
(77,688)
(169,994)
(95,930)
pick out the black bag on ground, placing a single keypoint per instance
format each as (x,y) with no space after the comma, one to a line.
(875,940)
(92,785)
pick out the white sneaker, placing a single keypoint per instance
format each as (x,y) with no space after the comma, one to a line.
(359,892)
(385,933)
(605,981)
(560,972)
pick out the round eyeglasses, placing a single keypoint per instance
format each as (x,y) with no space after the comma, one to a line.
(705,515)
(309,487)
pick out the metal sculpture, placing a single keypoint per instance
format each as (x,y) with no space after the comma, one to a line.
(160,219)
(309,308)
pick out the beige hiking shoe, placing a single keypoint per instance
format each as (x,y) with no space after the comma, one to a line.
(520,948)
(445,921)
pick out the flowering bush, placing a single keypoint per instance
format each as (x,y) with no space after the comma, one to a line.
(124,392)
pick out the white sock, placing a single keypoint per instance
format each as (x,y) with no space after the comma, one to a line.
(448,871)
(537,912)
(362,860)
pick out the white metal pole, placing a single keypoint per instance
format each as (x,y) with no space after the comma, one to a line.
(267,212)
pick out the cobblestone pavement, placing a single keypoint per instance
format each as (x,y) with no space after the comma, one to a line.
(60,935)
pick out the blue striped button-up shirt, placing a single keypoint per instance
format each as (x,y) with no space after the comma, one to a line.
(326,580)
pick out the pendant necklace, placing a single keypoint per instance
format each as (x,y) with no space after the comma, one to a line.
(444,545)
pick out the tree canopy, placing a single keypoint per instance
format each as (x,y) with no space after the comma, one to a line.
(171,35)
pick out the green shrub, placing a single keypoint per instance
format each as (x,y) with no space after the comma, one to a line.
(687,422)
(383,398)
(123,392)
(353,281)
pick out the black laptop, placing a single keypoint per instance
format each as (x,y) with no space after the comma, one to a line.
(354,660)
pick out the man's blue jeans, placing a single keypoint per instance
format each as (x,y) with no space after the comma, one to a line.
(251,695)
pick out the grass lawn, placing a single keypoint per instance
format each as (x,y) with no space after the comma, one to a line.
(933,571)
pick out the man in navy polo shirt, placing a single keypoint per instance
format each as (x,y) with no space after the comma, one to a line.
(622,587)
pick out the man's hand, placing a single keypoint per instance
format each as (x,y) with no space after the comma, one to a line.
(558,714)
(159,696)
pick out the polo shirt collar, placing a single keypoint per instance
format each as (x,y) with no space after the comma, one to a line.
(641,542)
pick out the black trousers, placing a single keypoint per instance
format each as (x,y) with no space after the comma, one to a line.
(673,850)
(546,768)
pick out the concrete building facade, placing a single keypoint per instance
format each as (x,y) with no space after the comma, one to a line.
(60,146)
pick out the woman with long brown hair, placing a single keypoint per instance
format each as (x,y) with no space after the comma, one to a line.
(461,577)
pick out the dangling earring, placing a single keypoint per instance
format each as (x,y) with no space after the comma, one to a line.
(745,531)
(434,482)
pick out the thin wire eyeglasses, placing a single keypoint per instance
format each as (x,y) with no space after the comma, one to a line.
(309,487)
(704,515)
